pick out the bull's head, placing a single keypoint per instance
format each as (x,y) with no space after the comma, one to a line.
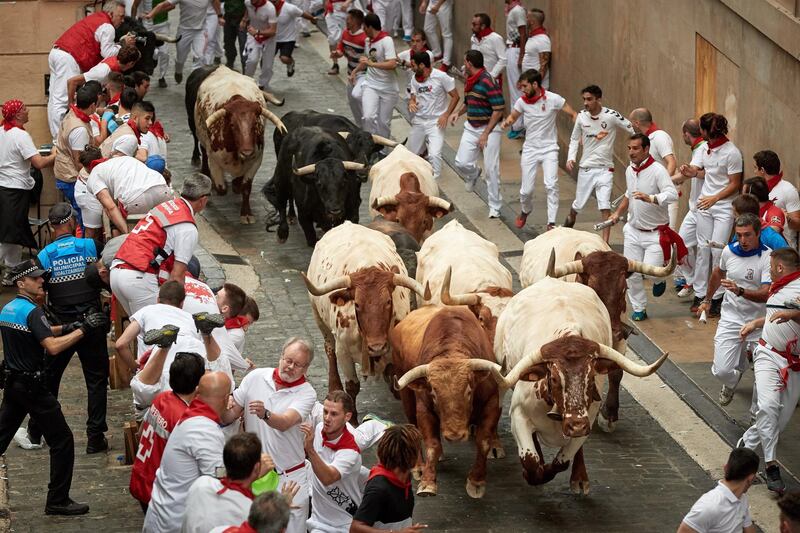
(451,383)
(146,43)
(241,125)
(363,145)
(370,289)
(606,273)
(567,367)
(333,180)
(411,208)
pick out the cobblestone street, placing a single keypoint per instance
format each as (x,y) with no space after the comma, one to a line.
(641,479)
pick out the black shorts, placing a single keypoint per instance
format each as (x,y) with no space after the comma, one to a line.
(285,49)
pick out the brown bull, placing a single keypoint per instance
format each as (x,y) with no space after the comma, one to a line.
(411,208)
(449,382)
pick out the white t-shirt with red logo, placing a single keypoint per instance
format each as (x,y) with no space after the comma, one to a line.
(432,94)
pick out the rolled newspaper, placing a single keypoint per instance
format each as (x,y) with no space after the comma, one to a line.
(703,318)
(617,200)
(607,224)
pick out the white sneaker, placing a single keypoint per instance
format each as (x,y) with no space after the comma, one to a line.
(23,440)
(725,395)
(685,291)
(469,185)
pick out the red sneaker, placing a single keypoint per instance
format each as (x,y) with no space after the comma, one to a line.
(522,218)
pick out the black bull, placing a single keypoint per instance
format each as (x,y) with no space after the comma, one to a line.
(146,42)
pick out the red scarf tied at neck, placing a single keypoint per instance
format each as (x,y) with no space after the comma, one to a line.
(483,33)
(653,127)
(696,142)
(784,281)
(132,124)
(539,31)
(200,408)
(236,322)
(228,484)
(96,162)
(472,80)
(532,100)
(278,6)
(647,162)
(113,63)
(157,129)
(774,180)
(345,442)
(258,3)
(391,477)
(10,110)
(381,35)
(716,143)
(245,527)
(113,100)
(80,114)
(276,377)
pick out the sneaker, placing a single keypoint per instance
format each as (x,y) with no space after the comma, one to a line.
(305,34)
(407,38)
(522,219)
(494,214)
(164,336)
(290,69)
(725,395)
(178,76)
(774,481)
(68,508)
(716,308)
(513,134)
(685,291)
(162,83)
(638,316)
(569,221)
(24,441)
(469,186)
(207,322)
(96,444)
(696,304)
(551,225)
(372,416)
(659,288)
(334,71)
(679,284)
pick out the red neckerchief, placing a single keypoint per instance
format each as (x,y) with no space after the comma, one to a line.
(113,100)
(483,33)
(236,322)
(157,129)
(472,80)
(245,527)
(113,63)
(541,96)
(419,79)
(773,181)
(80,114)
(278,6)
(667,237)
(716,143)
(647,162)
(539,31)
(135,128)
(345,442)
(96,162)
(511,5)
(784,281)
(653,127)
(380,470)
(10,124)
(200,408)
(227,484)
(696,142)
(381,35)
(258,3)
(276,377)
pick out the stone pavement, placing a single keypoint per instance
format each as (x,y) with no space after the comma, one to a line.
(641,479)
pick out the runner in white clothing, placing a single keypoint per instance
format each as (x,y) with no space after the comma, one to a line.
(661,148)
(595,128)
(536,54)
(491,44)
(538,108)
(288,15)
(418,44)
(647,196)
(261,21)
(783,193)
(516,37)
(428,103)
(439,15)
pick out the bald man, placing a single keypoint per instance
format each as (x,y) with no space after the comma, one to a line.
(194,449)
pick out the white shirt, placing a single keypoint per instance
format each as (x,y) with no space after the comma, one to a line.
(493,48)
(660,146)
(192,14)
(696,185)
(778,335)
(333,506)
(535,45)
(181,241)
(653,180)
(540,122)
(432,94)
(597,135)
(514,19)
(404,57)
(106,35)
(785,196)
(154,145)
(78,138)
(263,17)
(380,51)
(237,335)
(285,447)
(206,509)
(287,23)
(16,150)
(719,164)
(750,273)
(126,178)
(98,73)
(719,511)
(194,449)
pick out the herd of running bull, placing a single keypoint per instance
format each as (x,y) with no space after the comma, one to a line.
(433,313)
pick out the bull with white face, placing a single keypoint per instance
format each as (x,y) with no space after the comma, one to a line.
(227,114)
(586,258)
(556,338)
(359,289)
(403,190)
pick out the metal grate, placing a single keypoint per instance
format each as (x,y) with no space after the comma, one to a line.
(229,259)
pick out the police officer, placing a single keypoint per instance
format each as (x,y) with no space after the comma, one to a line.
(28,338)
(70,299)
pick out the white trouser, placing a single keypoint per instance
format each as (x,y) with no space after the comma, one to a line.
(190,40)
(134,289)
(643,246)
(299,514)
(529,162)
(467,159)
(598,180)
(264,53)
(354,93)
(426,131)
(513,72)
(336,23)
(91,208)
(377,108)
(775,407)
(62,67)
(162,53)
(407,12)
(672,209)
(150,198)
(10,254)
(715,225)
(385,13)
(212,31)
(688,232)
(730,352)
(444,20)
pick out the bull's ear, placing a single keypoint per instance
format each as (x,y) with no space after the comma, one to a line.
(604,366)
(395,269)
(535,373)
(388,211)
(437,212)
(341,297)
(308,178)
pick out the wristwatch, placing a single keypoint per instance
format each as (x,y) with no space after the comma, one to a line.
(267,414)
(740,291)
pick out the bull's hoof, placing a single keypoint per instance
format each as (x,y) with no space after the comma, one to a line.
(579,486)
(247,219)
(476,489)
(416,472)
(426,488)
(496,451)
(605,424)
(283,233)
(221,190)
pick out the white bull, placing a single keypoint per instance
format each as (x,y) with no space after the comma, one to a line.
(569,244)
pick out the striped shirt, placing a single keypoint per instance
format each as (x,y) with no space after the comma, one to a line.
(352,46)
(482,100)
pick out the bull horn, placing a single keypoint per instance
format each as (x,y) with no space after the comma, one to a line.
(274,119)
(302,171)
(478,365)
(166,38)
(383,201)
(525,363)
(402,280)
(573,267)
(352,165)
(412,375)
(272,99)
(629,366)
(457,299)
(215,116)
(377,139)
(344,134)
(342,282)
(435,201)
(652,270)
